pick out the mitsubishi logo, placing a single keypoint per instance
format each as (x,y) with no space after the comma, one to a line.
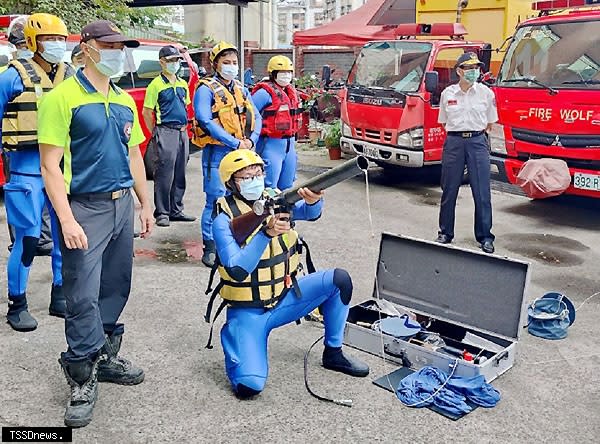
(556,142)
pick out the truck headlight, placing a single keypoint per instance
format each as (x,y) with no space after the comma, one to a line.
(497,139)
(412,138)
(346,130)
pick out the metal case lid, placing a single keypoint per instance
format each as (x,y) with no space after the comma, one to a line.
(472,289)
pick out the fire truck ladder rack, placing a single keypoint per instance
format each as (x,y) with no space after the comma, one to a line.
(455,31)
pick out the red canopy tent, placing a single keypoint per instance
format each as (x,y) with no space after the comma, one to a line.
(349,30)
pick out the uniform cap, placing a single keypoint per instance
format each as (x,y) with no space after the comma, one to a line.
(468,59)
(169,52)
(107,32)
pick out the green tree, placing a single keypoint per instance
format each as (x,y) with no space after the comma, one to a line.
(77,13)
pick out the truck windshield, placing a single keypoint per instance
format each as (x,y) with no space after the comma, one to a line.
(560,56)
(397,65)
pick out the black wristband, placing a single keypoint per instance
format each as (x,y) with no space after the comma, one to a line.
(264,230)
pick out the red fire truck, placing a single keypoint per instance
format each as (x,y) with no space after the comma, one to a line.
(390,105)
(548,94)
(141,66)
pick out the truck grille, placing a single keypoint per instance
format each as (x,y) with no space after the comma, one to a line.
(374,135)
(550,139)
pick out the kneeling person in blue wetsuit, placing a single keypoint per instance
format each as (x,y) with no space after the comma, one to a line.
(279,105)
(258,280)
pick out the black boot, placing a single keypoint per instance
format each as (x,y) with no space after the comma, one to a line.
(115,369)
(335,359)
(210,253)
(58,304)
(83,380)
(18,317)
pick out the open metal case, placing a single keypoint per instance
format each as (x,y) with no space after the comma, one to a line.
(474,301)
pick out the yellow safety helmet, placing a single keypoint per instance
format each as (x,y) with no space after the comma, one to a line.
(237,160)
(219,48)
(43,24)
(280,63)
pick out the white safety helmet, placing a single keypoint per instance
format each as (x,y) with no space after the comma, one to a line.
(15,31)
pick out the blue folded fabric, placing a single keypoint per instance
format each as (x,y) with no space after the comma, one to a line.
(475,389)
(422,388)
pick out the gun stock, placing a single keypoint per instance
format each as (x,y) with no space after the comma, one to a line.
(243,226)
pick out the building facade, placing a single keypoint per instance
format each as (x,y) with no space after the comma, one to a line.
(218,22)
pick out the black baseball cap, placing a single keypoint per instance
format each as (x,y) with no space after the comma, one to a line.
(76,51)
(468,59)
(107,32)
(169,52)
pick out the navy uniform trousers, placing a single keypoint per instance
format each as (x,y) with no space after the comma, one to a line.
(173,148)
(97,281)
(474,152)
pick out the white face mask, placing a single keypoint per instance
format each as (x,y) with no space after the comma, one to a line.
(229,72)
(283,78)
(24,53)
(111,61)
(54,51)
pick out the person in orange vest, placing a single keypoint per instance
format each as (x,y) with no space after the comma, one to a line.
(277,101)
(225,119)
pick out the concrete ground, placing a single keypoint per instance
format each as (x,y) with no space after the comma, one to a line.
(551,394)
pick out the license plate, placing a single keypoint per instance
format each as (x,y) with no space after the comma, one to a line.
(371,152)
(586,181)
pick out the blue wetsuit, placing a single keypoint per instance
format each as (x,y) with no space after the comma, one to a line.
(25,198)
(244,335)
(279,155)
(212,154)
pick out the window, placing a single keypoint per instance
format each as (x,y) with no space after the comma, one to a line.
(444,66)
(561,55)
(141,66)
(395,65)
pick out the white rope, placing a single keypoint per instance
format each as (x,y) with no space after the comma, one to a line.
(439,389)
(581,305)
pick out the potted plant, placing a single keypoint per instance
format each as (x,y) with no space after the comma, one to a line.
(333,134)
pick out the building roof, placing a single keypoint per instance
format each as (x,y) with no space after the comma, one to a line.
(354,28)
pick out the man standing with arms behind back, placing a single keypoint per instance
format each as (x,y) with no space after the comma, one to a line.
(467,111)
(168,98)
(92,127)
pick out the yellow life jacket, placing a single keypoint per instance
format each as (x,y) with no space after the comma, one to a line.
(19,123)
(267,283)
(234,112)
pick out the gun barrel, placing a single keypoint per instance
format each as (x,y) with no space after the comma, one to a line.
(342,172)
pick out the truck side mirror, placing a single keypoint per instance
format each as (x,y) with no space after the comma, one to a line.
(485,55)
(431,81)
(326,75)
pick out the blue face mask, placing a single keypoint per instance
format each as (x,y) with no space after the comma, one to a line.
(24,54)
(173,67)
(229,72)
(53,51)
(252,189)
